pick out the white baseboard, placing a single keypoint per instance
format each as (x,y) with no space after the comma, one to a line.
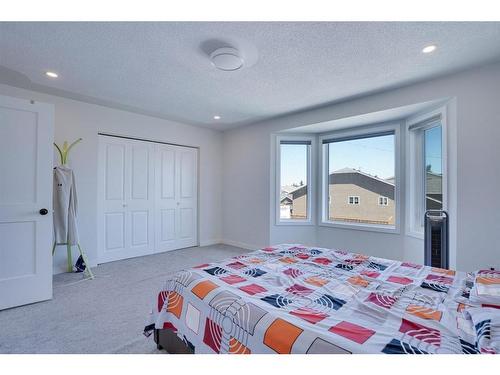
(210,242)
(243,245)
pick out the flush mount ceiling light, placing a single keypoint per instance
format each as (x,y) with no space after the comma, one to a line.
(216,117)
(51,74)
(429,49)
(227,59)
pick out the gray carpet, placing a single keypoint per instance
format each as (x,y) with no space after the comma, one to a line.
(104,315)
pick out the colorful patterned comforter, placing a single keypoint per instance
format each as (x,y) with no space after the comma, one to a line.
(295,299)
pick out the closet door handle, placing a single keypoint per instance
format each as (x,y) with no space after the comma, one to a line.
(43,211)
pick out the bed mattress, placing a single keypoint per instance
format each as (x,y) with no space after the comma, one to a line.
(296,299)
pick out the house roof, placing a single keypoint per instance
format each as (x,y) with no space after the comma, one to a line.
(295,188)
(368,182)
(389,181)
(364,180)
(298,192)
(355,177)
(288,188)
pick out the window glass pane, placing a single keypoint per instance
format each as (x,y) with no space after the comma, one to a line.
(433,168)
(293,185)
(360,172)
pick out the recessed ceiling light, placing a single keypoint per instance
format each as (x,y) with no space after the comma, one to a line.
(216,117)
(51,74)
(429,49)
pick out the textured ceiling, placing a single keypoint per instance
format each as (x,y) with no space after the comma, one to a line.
(162,69)
(387,115)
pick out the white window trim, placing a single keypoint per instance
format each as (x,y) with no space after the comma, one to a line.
(311,178)
(353,200)
(414,167)
(385,201)
(372,129)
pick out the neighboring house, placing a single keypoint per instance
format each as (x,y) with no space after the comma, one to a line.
(355,196)
(286,203)
(434,191)
(359,197)
(293,203)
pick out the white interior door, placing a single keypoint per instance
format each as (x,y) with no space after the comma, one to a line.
(176,193)
(126,198)
(26,157)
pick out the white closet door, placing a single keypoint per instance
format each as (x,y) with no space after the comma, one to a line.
(176,192)
(147,198)
(166,198)
(26,136)
(126,198)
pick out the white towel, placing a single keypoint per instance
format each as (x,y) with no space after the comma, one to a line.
(486,288)
(65,206)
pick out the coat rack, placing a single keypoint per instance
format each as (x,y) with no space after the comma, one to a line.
(63,154)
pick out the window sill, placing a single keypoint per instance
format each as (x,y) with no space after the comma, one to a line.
(294,222)
(415,234)
(363,227)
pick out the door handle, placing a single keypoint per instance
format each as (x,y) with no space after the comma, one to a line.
(43,211)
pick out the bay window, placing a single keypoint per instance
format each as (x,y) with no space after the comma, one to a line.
(359,178)
(426,169)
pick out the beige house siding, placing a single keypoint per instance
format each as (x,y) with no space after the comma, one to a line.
(367,211)
(299,208)
(347,183)
(434,187)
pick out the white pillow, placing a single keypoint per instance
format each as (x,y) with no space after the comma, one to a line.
(486,289)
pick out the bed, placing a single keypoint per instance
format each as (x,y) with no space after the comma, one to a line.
(297,299)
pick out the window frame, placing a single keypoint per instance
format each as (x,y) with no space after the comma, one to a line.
(371,130)
(311,160)
(384,200)
(353,200)
(415,166)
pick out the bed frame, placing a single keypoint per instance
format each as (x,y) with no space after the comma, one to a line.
(166,339)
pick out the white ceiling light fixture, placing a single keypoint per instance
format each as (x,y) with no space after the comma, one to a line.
(216,117)
(51,74)
(429,48)
(227,59)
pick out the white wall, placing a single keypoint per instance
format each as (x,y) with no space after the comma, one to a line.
(474,145)
(75,119)
(245,219)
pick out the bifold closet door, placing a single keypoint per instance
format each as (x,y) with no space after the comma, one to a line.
(126,198)
(147,198)
(176,193)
